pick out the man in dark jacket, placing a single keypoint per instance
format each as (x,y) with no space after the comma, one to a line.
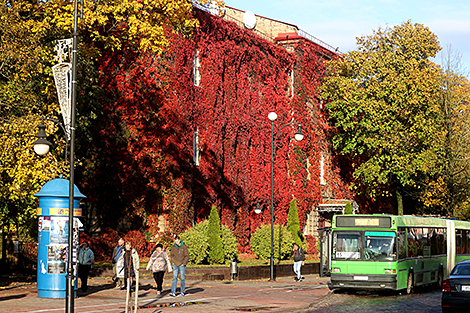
(117,253)
(299,258)
(179,258)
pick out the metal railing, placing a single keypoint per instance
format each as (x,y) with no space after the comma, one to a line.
(319,42)
(265,36)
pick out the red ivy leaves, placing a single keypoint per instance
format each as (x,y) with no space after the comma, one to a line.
(243,78)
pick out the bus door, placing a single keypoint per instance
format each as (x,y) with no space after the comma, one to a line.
(325,251)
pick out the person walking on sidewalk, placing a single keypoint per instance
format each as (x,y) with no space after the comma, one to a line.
(299,258)
(117,253)
(85,259)
(179,258)
(158,263)
(131,263)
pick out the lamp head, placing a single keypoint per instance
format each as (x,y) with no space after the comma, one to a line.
(272,116)
(299,135)
(258,208)
(41,145)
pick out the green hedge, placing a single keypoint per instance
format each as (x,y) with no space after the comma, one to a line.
(196,239)
(261,242)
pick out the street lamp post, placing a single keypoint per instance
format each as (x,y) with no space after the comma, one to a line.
(70,291)
(41,146)
(298,136)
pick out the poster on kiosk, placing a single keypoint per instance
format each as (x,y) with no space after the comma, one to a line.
(53,251)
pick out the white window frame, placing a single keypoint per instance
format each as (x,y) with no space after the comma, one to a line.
(196,69)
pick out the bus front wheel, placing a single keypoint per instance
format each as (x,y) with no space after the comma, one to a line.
(409,284)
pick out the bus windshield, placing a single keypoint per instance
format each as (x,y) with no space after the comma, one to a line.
(346,245)
(380,246)
(368,245)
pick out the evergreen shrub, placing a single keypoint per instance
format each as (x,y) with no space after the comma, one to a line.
(198,244)
(261,242)
(216,253)
(293,224)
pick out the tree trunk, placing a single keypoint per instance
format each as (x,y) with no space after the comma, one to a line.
(399,202)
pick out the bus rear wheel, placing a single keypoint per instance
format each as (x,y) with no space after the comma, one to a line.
(409,284)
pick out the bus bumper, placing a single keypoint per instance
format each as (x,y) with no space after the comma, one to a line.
(363,282)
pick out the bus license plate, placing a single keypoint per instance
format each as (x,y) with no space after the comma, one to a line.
(465,288)
(364,278)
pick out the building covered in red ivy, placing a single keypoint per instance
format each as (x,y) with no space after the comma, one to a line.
(194,130)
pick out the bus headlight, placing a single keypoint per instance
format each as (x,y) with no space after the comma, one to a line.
(336,270)
(390,271)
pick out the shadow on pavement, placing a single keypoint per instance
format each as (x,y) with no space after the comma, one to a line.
(94,289)
(194,290)
(15,297)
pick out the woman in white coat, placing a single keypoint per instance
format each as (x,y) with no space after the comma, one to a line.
(158,264)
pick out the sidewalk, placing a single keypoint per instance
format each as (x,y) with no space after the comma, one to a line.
(282,295)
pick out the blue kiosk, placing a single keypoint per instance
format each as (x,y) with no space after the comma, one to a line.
(53,214)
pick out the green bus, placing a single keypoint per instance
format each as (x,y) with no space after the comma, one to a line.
(373,252)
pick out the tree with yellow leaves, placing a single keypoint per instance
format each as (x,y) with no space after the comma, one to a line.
(29,31)
(383,98)
(22,173)
(447,192)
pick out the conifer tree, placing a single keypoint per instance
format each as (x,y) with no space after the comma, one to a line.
(293,224)
(214,234)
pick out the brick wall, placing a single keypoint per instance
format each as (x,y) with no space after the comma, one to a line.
(265,25)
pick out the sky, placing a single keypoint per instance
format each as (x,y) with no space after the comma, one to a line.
(339,22)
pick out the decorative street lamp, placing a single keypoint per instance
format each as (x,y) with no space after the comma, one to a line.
(66,89)
(298,136)
(42,145)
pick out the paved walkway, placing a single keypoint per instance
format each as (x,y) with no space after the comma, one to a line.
(282,295)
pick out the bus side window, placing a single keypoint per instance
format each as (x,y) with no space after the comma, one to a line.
(443,241)
(427,241)
(412,245)
(402,243)
(468,242)
(458,241)
(434,242)
(419,241)
(464,242)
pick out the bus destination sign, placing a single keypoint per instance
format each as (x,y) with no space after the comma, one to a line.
(363,221)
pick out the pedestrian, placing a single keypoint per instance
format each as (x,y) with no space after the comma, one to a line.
(158,264)
(117,253)
(131,263)
(85,259)
(299,258)
(179,258)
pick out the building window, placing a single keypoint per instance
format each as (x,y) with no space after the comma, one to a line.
(196,147)
(292,83)
(322,170)
(196,66)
